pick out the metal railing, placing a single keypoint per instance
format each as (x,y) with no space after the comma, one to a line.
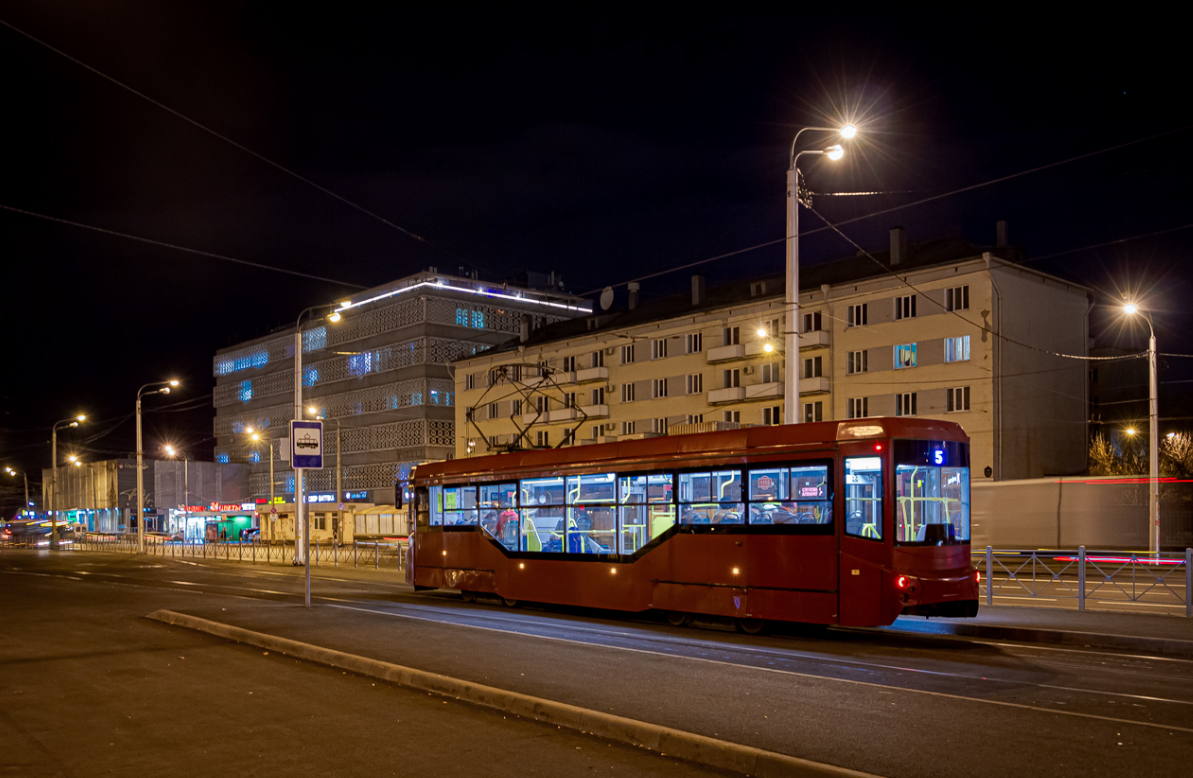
(1090,579)
(360,553)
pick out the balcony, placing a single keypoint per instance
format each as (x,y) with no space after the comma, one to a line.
(815,339)
(591,374)
(726,353)
(562,414)
(562,377)
(819,385)
(594,411)
(767,391)
(733,394)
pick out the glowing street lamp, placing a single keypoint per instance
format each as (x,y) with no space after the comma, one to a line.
(63,424)
(164,388)
(791,333)
(13,473)
(1153,492)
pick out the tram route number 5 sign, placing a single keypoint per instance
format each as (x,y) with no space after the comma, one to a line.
(306,444)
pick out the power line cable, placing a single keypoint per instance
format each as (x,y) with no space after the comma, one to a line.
(233,143)
(176,247)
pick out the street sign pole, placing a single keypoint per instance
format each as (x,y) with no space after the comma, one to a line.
(306,453)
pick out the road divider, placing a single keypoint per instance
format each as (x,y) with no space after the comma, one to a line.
(663,740)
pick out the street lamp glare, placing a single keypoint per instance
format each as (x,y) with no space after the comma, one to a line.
(80,417)
(256,436)
(834,152)
(169,451)
(848,131)
(1131,308)
(762,332)
(173,382)
(313,411)
(74,424)
(334,317)
(1130,430)
(768,348)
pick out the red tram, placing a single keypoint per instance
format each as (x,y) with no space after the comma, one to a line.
(849,523)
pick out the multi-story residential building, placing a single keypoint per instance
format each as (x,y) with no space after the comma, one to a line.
(943,329)
(381,377)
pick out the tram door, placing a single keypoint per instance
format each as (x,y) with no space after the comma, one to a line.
(864,540)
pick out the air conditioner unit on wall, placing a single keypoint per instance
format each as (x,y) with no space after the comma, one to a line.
(610,350)
(748,370)
(610,387)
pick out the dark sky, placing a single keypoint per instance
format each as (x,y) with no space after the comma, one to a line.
(601,144)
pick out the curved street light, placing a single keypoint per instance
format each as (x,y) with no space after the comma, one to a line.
(163,388)
(74,421)
(1153,444)
(791,331)
(13,473)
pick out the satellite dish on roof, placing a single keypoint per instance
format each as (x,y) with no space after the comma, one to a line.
(606,298)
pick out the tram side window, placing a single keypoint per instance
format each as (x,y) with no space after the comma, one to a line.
(646,509)
(542,517)
(459,505)
(436,504)
(592,514)
(795,495)
(711,498)
(497,507)
(863,497)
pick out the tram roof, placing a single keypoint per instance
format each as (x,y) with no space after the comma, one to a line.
(672,450)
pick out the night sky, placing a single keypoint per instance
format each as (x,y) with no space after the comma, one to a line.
(602,144)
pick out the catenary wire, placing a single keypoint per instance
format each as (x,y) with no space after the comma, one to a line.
(239,146)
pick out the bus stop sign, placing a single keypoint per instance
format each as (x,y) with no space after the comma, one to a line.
(306,442)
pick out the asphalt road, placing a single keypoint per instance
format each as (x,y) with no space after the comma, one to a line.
(890,705)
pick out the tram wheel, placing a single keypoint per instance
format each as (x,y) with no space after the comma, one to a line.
(751,626)
(467,596)
(508,602)
(676,618)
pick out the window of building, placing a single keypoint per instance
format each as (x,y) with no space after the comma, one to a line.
(627,427)
(757,288)
(696,418)
(772,415)
(597,359)
(730,336)
(905,307)
(694,342)
(957,298)
(771,329)
(956,349)
(598,396)
(594,431)
(858,315)
(659,388)
(627,392)
(858,362)
(731,379)
(904,356)
(493,413)
(812,367)
(658,425)
(857,407)
(569,437)
(658,348)
(695,383)
(470,381)
(627,354)
(516,410)
(772,373)
(814,411)
(540,404)
(569,364)
(905,404)
(569,400)
(733,417)
(542,438)
(957,399)
(812,322)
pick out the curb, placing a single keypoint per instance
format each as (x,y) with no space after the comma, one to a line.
(1163,646)
(653,737)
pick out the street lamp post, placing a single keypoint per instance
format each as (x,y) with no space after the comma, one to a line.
(164,389)
(302,516)
(791,331)
(64,423)
(13,473)
(1153,492)
(268,442)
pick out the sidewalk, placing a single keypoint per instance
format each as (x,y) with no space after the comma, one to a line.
(1168,635)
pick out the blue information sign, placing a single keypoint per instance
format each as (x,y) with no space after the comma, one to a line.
(306,445)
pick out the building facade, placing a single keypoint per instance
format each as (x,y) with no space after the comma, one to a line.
(381,377)
(943,329)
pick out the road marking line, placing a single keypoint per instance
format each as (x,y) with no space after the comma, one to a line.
(811,676)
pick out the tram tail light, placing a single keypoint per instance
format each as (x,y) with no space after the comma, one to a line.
(977,576)
(901,582)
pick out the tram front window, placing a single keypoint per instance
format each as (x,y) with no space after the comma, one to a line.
(931,493)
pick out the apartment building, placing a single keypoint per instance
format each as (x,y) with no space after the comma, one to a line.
(943,329)
(381,377)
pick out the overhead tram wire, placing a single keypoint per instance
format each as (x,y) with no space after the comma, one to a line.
(174,246)
(241,147)
(895,208)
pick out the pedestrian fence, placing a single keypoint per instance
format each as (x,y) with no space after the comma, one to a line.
(377,554)
(1092,579)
